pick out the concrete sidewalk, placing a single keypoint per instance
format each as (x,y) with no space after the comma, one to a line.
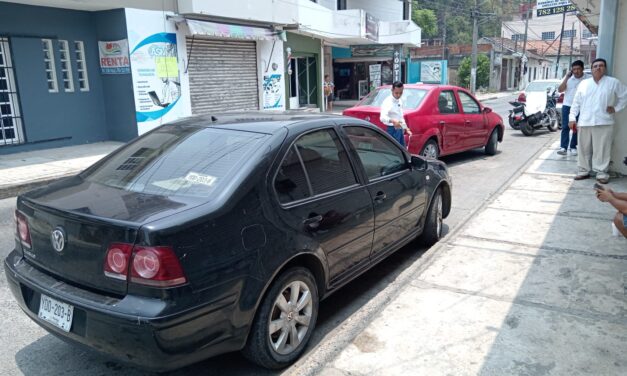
(534,284)
(24,171)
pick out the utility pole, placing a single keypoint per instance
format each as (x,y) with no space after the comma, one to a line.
(572,36)
(522,63)
(444,34)
(475,36)
(559,48)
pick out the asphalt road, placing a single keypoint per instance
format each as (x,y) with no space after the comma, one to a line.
(30,350)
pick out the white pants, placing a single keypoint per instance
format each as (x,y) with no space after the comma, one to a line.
(594,148)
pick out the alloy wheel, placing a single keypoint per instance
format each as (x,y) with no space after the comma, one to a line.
(290,317)
(430,151)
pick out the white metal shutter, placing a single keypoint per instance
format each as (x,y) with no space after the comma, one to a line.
(222,75)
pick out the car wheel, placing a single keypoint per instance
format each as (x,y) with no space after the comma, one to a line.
(553,120)
(430,150)
(285,320)
(527,129)
(432,231)
(493,143)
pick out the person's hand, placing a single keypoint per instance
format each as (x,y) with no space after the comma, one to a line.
(396,124)
(409,132)
(604,195)
(569,74)
(610,109)
(572,124)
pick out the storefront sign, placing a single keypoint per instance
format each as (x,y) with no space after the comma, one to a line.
(431,71)
(550,7)
(375,75)
(272,92)
(114,57)
(372,50)
(213,29)
(372,27)
(396,65)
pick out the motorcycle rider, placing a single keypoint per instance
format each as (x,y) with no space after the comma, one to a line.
(569,87)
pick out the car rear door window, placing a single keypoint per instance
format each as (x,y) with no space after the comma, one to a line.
(447,103)
(326,167)
(469,105)
(379,156)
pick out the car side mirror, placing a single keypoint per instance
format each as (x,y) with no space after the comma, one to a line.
(487,110)
(418,163)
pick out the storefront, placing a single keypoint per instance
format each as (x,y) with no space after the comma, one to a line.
(303,55)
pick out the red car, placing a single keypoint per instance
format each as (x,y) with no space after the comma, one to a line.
(443,119)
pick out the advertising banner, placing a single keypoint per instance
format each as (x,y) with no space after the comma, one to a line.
(114,57)
(272,92)
(375,75)
(550,7)
(431,71)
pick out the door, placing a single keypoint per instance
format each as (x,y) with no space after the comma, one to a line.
(397,191)
(293,72)
(451,123)
(476,125)
(323,201)
(222,75)
(10,117)
(307,82)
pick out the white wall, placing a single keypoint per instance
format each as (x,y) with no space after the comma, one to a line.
(271,68)
(255,10)
(619,150)
(384,10)
(329,4)
(538,25)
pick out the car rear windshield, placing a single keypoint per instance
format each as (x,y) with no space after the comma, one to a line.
(541,85)
(178,161)
(411,97)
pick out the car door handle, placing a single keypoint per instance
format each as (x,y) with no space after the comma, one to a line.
(313,221)
(441,122)
(380,197)
(467,121)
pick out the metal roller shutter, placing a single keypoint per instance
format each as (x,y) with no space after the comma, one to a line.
(222,75)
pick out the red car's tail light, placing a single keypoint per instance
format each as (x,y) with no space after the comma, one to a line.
(156,266)
(522,97)
(23,232)
(116,262)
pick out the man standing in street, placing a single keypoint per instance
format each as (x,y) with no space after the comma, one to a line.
(569,87)
(392,114)
(596,100)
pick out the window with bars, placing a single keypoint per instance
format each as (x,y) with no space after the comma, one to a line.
(518,37)
(10,117)
(570,33)
(51,72)
(81,66)
(66,66)
(586,33)
(548,35)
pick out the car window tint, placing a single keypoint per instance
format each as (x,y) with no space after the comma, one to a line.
(379,156)
(469,105)
(542,85)
(447,103)
(326,161)
(411,97)
(178,161)
(291,183)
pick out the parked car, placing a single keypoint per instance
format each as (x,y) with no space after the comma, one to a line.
(541,86)
(219,233)
(443,119)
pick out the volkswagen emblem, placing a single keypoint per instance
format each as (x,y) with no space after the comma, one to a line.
(57,238)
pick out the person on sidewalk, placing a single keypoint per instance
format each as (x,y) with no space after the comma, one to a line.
(619,202)
(392,114)
(569,87)
(596,100)
(329,88)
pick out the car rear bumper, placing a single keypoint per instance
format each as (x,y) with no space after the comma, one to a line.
(143,339)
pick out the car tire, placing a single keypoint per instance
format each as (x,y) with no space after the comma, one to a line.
(527,129)
(430,150)
(554,120)
(432,231)
(283,319)
(492,145)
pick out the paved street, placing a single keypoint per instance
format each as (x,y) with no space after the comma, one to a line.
(30,350)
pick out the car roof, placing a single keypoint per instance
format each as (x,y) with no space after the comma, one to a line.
(254,121)
(423,86)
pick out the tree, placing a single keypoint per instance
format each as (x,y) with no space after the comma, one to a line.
(427,20)
(483,71)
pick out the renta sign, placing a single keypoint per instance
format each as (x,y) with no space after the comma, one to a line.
(114,57)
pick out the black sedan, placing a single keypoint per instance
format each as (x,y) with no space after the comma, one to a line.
(217,234)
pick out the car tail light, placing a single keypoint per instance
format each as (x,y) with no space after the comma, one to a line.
(156,266)
(23,232)
(561,98)
(522,97)
(116,262)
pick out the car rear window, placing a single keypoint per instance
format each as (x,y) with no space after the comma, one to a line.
(541,85)
(178,161)
(411,97)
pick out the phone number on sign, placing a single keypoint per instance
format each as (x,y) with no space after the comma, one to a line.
(556,10)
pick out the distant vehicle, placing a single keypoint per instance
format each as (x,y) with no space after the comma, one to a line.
(444,119)
(541,86)
(219,233)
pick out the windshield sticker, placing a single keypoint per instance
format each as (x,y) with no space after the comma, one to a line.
(196,178)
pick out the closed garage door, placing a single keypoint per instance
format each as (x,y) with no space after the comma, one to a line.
(222,75)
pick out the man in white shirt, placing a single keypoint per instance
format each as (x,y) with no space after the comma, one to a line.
(596,100)
(392,114)
(569,87)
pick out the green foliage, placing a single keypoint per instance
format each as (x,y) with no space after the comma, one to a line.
(483,71)
(427,20)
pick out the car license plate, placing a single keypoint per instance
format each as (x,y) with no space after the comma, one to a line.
(55,312)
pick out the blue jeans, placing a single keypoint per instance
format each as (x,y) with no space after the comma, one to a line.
(397,134)
(566,130)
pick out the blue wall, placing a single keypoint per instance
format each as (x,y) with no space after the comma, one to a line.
(60,119)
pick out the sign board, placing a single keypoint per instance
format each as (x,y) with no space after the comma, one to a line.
(431,72)
(396,64)
(551,7)
(372,27)
(114,57)
(371,50)
(272,92)
(375,75)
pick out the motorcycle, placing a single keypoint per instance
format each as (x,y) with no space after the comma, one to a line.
(539,111)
